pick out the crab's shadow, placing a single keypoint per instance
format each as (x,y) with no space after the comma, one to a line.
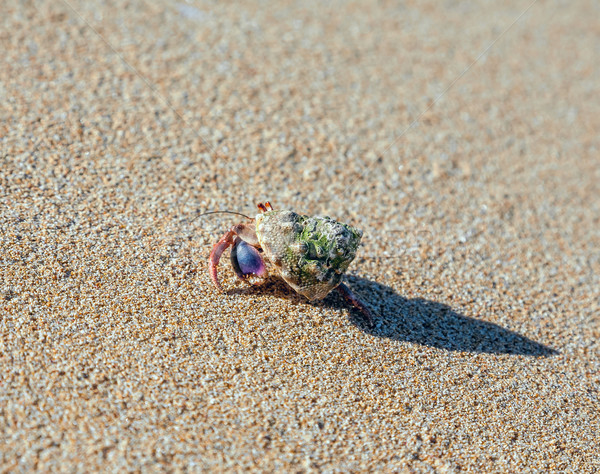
(414,320)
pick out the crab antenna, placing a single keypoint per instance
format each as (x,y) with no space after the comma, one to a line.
(221,212)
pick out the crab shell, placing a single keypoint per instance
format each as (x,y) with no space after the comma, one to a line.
(310,253)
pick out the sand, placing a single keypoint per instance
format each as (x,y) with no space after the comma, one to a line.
(120,122)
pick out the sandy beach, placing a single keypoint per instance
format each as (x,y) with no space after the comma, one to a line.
(460,137)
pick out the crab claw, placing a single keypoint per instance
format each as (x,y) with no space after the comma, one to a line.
(246,260)
(215,256)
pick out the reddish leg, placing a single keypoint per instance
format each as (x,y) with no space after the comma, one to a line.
(215,256)
(358,304)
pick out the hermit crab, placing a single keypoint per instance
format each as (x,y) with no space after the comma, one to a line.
(310,253)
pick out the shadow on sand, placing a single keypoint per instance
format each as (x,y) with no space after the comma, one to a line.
(415,320)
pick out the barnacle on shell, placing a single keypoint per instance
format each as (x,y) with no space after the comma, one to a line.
(310,253)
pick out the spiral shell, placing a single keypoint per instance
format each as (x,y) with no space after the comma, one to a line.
(310,253)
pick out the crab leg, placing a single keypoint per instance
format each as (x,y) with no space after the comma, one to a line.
(215,256)
(354,301)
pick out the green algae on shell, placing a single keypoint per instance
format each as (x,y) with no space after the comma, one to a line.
(310,253)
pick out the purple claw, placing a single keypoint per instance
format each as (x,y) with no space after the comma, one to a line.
(246,260)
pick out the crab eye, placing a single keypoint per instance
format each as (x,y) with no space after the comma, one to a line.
(246,260)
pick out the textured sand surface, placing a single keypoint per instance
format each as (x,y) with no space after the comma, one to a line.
(120,121)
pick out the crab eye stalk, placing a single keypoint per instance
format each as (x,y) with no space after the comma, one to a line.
(246,260)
